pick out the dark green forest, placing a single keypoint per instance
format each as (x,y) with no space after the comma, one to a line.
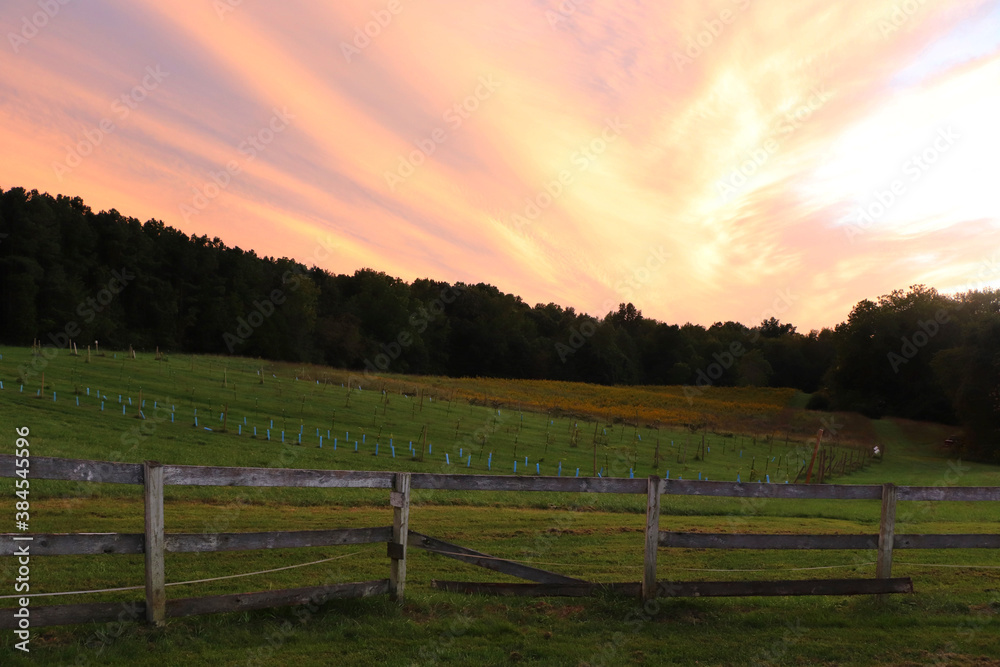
(67,272)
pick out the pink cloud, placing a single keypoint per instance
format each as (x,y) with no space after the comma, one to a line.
(743,137)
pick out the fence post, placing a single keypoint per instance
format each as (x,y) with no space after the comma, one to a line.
(819,439)
(886,532)
(652,537)
(156,595)
(399,498)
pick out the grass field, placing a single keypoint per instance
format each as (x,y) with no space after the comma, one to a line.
(754,433)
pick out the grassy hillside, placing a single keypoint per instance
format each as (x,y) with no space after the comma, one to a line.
(266,405)
(950,620)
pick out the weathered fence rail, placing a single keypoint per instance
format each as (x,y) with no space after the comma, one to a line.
(88,544)
(154,542)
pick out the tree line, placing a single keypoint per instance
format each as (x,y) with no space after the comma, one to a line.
(68,272)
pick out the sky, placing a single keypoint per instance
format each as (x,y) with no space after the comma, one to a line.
(707,160)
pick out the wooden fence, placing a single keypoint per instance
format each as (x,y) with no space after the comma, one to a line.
(155,542)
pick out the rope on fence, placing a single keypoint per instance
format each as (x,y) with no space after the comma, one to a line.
(100,590)
(250,574)
(179,583)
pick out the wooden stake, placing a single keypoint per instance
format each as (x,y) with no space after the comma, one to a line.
(595,455)
(819,439)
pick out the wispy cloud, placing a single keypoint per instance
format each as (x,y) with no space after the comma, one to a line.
(748,137)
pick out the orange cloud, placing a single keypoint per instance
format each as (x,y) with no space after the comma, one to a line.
(704,160)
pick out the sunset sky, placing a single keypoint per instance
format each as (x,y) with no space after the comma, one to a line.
(706,160)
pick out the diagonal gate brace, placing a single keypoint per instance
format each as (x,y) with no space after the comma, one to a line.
(510,567)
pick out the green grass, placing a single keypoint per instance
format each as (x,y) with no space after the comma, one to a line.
(289,401)
(949,620)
